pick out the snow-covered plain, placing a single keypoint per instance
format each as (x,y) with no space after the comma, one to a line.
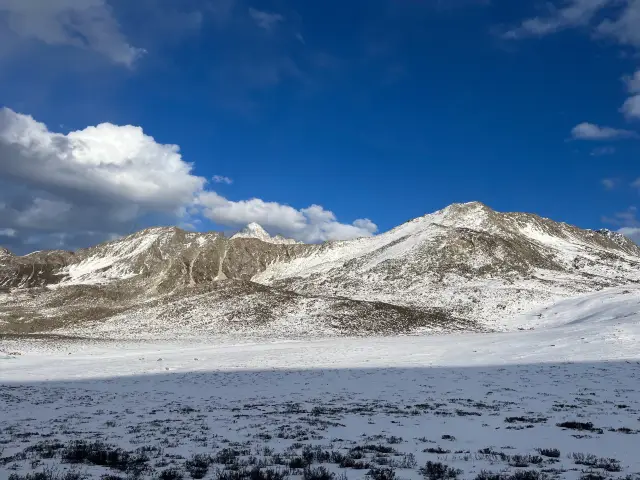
(472,402)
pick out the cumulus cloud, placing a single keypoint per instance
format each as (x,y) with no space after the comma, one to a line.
(590,131)
(631,108)
(265,20)
(221,179)
(87,24)
(80,188)
(102,179)
(609,183)
(111,163)
(311,224)
(322,225)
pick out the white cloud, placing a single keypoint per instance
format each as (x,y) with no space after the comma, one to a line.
(8,232)
(609,183)
(590,131)
(631,108)
(239,213)
(100,179)
(316,215)
(88,24)
(626,27)
(574,13)
(117,164)
(265,20)
(322,225)
(69,190)
(633,82)
(311,224)
(616,19)
(221,179)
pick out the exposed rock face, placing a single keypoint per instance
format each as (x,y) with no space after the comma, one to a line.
(34,270)
(464,267)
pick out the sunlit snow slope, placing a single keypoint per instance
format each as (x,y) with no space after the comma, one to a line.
(463,268)
(498,398)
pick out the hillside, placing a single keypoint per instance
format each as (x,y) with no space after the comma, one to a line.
(465,267)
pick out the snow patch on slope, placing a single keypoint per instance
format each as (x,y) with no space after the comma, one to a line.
(399,242)
(614,306)
(109,263)
(597,327)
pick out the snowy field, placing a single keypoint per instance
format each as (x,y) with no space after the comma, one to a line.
(559,401)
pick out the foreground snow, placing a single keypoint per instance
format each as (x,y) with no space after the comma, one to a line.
(472,402)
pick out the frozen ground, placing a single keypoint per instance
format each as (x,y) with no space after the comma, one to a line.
(400,407)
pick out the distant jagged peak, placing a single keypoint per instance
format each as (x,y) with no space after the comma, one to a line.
(255,230)
(5,252)
(614,236)
(617,238)
(283,240)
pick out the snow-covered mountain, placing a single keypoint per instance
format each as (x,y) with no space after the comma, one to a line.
(471,260)
(254,230)
(463,267)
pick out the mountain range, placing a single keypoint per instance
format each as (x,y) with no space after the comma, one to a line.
(466,267)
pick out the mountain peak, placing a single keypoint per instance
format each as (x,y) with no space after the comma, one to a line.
(255,230)
(470,215)
(467,208)
(616,237)
(462,267)
(5,252)
(472,204)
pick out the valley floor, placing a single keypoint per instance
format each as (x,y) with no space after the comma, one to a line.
(560,401)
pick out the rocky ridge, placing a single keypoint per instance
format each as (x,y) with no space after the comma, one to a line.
(465,267)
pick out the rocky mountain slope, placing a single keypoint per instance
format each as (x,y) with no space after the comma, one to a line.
(465,267)
(471,260)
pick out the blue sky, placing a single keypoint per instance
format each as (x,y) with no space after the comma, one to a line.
(376,111)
